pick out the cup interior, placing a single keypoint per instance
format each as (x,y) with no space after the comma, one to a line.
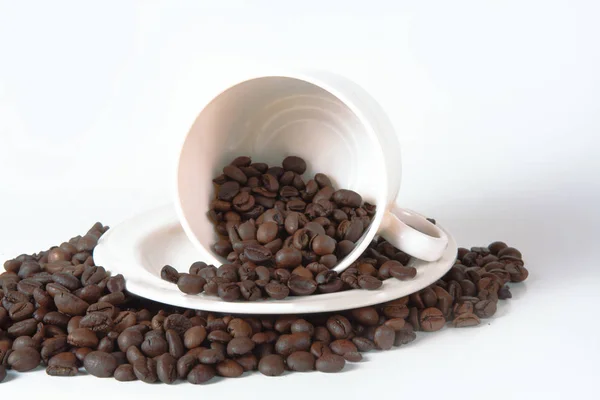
(268,119)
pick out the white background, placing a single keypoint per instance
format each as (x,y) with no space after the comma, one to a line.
(495,102)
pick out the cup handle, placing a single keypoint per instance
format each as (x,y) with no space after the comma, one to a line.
(413,234)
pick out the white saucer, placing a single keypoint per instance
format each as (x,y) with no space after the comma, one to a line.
(139,247)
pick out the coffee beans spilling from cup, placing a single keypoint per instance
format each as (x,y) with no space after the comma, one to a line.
(59,310)
(271,216)
(281,236)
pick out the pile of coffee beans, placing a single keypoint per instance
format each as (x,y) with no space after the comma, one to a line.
(281,236)
(59,310)
(270,216)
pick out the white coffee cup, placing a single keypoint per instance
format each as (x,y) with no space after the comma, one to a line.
(331,122)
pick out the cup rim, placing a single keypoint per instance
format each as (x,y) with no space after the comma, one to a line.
(315,78)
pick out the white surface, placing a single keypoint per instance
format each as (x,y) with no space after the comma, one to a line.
(497,108)
(139,247)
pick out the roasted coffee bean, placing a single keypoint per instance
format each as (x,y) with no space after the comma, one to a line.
(93,275)
(237,327)
(288,343)
(518,273)
(401,272)
(177,322)
(154,345)
(124,373)
(367,269)
(302,325)
(13,297)
(53,346)
(70,304)
(277,290)
(395,311)
(288,258)
(166,368)
(507,251)
(239,346)
(102,307)
(395,323)
(66,280)
(444,300)
(190,284)
(504,293)
(233,172)
(28,269)
(66,359)
(145,370)
(229,291)
(20,311)
(431,319)
(404,336)
(26,327)
(384,337)
(294,164)
(25,341)
(115,298)
(267,232)
(301,361)
(369,282)
(211,356)
(339,326)
(342,346)
(228,190)
(201,374)
(28,286)
(353,356)
(463,308)
(323,245)
(59,319)
(363,344)
(495,247)
(485,308)
(24,359)
(229,369)
(100,364)
(83,337)
(249,290)
(194,337)
(271,365)
(124,320)
(465,320)
(454,289)
(350,230)
(330,363)
(185,364)
(301,286)
(116,284)
(248,362)
(429,297)
(319,348)
(97,322)
(130,338)
(347,198)
(257,253)
(90,294)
